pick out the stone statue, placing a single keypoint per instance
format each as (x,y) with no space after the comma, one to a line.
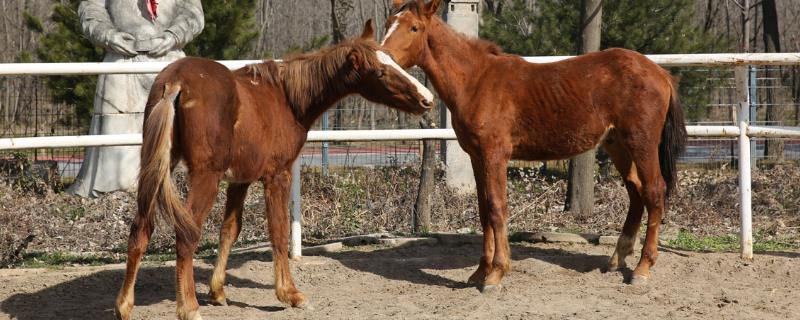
(129,30)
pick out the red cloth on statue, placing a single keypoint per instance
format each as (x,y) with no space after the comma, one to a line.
(151,8)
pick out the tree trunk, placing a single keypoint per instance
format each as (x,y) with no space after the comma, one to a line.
(339,13)
(422,207)
(580,184)
(774,147)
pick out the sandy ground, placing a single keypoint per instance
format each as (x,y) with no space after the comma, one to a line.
(549,281)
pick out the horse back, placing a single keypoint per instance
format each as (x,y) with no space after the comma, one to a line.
(555,110)
(206,110)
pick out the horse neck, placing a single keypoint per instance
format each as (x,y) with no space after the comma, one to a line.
(319,101)
(445,64)
(315,110)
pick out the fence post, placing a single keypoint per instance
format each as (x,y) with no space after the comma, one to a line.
(753,116)
(462,16)
(325,145)
(294,206)
(745,192)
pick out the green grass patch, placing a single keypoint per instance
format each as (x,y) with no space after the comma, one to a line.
(57,260)
(725,243)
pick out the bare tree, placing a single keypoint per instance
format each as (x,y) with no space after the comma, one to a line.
(772,43)
(422,207)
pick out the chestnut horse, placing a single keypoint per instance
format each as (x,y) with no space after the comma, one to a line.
(244,126)
(506,108)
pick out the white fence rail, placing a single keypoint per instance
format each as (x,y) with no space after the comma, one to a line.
(740,129)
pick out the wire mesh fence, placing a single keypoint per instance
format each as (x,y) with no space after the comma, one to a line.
(27,108)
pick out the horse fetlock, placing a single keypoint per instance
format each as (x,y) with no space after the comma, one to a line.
(217,297)
(495,276)
(641,274)
(216,290)
(122,312)
(479,276)
(123,307)
(292,297)
(504,266)
(616,262)
(189,314)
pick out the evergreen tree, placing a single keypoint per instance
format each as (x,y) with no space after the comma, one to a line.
(550,27)
(65,43)
(228,34)
(229,31)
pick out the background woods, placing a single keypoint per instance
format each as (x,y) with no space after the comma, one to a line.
(39,30)
(375,190)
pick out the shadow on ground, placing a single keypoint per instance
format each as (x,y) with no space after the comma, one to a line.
(409,263)
(92,296)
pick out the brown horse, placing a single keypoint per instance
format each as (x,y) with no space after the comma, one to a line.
(244,126)
(506,108)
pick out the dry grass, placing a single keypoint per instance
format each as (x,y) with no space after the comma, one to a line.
(366,200)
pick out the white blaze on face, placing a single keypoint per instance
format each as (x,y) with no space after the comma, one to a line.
(393,27)
(387,60)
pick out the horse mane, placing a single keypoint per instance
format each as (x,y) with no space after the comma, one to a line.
(477,43)
(308,78)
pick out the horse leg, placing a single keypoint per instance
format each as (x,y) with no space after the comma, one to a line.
(203,188)
(653,194)
(141,230)
(231,226)
(277,199)
(493,175)
(485,264)
(630,231)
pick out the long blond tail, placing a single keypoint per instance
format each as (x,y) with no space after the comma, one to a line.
(157,190)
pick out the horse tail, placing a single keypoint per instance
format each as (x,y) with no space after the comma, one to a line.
(157,190)
(673,140)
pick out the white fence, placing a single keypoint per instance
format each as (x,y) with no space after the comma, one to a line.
(740,129)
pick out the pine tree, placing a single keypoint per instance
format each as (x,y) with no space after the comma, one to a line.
(229,31)
(550,27)
(228,34)
(65,43)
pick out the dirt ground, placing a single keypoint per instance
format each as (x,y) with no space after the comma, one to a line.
(549,281)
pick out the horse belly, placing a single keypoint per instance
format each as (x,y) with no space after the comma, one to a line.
(555,144)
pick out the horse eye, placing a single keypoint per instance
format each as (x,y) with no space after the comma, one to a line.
(413,28)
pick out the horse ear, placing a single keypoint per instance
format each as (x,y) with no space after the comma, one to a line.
(369,31)
(432,7)
(354,59)
(397,3)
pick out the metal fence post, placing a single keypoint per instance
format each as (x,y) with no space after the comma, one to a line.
(325,145)
(753,116)
(745,191)
(294,206)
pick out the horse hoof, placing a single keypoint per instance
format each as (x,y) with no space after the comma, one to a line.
(119,315)
(305,305)
(219,303)
(639,280)
(299,301)
(192,315)
(123,312)
(489,289)
(614,265)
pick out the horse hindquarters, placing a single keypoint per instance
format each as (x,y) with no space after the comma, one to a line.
(647,161)
(156,190)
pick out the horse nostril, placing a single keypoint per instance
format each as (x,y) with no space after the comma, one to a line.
(427,104)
